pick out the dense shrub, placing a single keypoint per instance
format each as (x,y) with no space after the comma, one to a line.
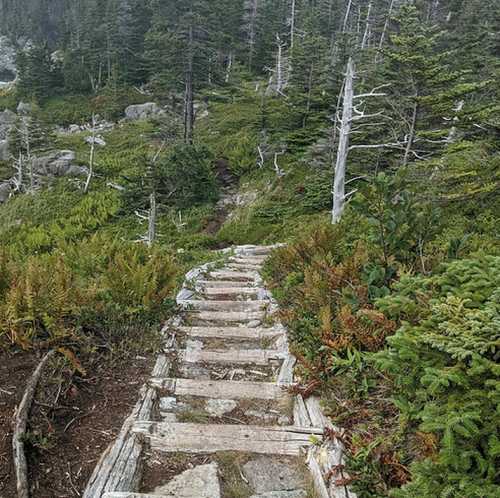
(444,362)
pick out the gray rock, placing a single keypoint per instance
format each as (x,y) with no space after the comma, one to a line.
(8,69)
(24,108)
(266,474)
(5,190)
(142,111)
(200,482)
(219,407)
(296,493)
(56,164)
(195,372)
(267,417)
(4,150)
(7,119)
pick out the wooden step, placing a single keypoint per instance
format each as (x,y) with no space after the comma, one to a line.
(253,260)
(232,265)
(125,494)
(260,357)
(226,316)
(230,306)
(243,333)
(215,284)
(233,275)
(220,389)
(212,438)
(243,292)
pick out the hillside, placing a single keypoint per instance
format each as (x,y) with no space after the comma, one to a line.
(140,138)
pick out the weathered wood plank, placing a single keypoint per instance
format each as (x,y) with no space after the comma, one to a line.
(285,376)
(226,316)
(210,438)
(260,357)
(125,494)
(214,284)
(230,291)
(300,415)
(319,482)
(231,333)
(230,306)
(221,389)
(233,275)
(315,413)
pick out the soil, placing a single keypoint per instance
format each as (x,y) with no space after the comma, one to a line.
(72,421)
(228,186)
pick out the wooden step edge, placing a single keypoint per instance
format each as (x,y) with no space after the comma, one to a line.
(220,389)
(258,357)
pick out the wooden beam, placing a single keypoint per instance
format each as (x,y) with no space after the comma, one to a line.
(211,438)
(221,389)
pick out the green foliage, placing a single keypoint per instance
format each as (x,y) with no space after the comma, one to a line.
(444,362)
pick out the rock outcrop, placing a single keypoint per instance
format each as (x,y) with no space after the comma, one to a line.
(140,112)
(8,70)
(5,191)
(57,164)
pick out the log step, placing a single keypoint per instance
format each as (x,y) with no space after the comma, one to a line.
(231,332)
(208,305)
(233,275)
(220,389)
(212,438)
(216,284)
(259,357)
(125,494)
(243,266)
(253,260)
(230,291)
(226,316)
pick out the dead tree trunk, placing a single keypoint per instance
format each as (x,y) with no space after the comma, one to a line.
(92,155)
(366,35)
(20,425)
(189,93)
(152,219)
(386,25)
(411,133)
(252,19)
(343,148)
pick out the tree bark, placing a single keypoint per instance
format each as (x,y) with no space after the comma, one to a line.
(91,158)
(343,148)
(20,424)
(411,134)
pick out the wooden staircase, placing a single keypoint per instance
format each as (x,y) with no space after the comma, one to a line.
(225,354)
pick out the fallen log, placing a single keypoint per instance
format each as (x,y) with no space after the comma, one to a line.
(20,424)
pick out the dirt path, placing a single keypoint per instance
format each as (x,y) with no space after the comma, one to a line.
(217,418)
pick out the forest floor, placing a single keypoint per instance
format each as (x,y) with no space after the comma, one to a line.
(71,422)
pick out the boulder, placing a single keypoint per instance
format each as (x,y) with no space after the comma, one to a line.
(4,150)
(296,493)
(24,108)
(267,474)
(5,190)
(219,407)
(200,482)
(140,112)
(7,119)
(8,70)
(60,163)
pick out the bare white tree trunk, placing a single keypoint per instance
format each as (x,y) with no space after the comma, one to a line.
(229,67)
(411,133)
(189,92)
(152,219)
(343,148)
(92,155)
(292,25)
(252,8)
(280,80)
(386,25)
(347,14)
(366,34)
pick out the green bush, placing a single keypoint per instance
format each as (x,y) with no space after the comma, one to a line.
(444,363)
